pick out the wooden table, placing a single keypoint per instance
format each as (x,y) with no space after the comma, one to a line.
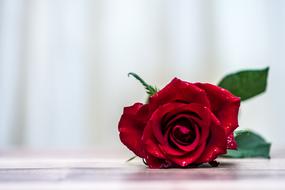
(22,169)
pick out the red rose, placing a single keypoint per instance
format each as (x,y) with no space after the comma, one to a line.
(183,124)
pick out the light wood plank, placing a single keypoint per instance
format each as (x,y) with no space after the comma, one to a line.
(24,169)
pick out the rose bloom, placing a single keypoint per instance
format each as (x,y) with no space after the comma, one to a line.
(183,125)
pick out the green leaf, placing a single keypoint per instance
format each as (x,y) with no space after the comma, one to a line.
(246,84)
(150,90)
(250,145)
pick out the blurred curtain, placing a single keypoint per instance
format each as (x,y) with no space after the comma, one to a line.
(64,63)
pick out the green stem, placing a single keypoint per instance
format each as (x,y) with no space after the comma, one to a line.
(149,89)
(132,158)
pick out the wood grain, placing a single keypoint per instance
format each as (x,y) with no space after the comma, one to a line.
(22,169)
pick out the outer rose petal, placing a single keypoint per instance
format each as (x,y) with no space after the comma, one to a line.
(156,163)
(150,144)
(231,142)
(224,105)
(217,144)
(191,157)
(131,127)
(179,91)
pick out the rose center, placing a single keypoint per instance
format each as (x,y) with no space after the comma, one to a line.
(183,134)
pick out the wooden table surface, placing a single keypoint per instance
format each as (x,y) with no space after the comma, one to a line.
(22,169)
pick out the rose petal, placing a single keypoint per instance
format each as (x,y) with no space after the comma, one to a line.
(175,109)
(150,144)
(190,158)
(197,120)
(131,127)
(203,120)
(207,151)
(193,145)
(231,142)
(216,145)
(167,148)
(224,105)
(182,134)
(156,163)
(179,91)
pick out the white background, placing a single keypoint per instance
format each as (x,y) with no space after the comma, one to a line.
(64,63)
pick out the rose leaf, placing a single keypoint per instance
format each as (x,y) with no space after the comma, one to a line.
(246,84)
(250,145)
